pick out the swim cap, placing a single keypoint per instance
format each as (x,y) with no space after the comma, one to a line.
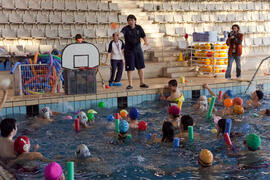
(259,94)
(238,101)
(22,144)
(134,113)
(82,151)
(82,117)
(123,126)
(142,126)
(253,141)
(174,110)
(53,171)
(205,158)
(45,112)
(229,93)
(238,110)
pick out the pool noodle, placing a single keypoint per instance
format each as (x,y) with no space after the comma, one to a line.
(117,121)
(176,142)
(220,95)
(211,107)
(227,139)
(129,137)
(70,170)
(228,126)
(77,125)
(149,135)
(190,133)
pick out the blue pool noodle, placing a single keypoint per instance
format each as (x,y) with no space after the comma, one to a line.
(228,126)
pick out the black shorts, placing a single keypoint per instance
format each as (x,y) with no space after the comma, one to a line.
(134,59)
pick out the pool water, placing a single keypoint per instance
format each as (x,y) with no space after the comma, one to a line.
(140,160)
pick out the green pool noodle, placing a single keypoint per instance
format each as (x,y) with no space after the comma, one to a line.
(190,133)
(70,170)
(129,136)
(211,107)
(116,122)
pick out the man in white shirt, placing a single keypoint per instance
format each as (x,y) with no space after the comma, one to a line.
(115,53)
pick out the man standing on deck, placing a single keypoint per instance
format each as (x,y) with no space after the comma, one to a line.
(133,52)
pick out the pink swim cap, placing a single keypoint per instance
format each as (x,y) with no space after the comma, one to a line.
(53,171)
(174,110)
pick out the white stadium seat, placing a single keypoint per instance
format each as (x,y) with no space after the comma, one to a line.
(222,17)
(101,32)
(89,33)
(46,4)
(175,6)
(258,41)
(242,6)
(263,16)
(113,18)
(23,33)
(92,6)
(79,18)
(42,18)
(180,30)
(68,19)
(51,33)
(148,7)
(45,48)
(205,17)
(122,19)
(159,18)
(59,5)
(244,29)
(37,33)
(194,6)
(248,41)
(8,33)
(34,4)
(258,5)
(255,16)
(169,18)
(70,5)
(265,5)
(230,17)
(82,5)
(113,7)
(55,18)
(102,18)
(252,29)
(21,4)
(177,18)
(169,29)
(234,6)
(250,6)
(8,4)
(91,18)
(3,19)
(31,49)
(15,18)
(28,18)
(196,17)
(266,41)
(103,6)
(260,28)
(166,6)
(64,33)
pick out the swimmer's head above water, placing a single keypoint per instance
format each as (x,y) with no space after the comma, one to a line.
(46,113)
(82,152)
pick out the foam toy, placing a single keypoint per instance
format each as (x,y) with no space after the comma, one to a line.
(223,70)
(149,135)
(219,95)
(70,170)
(110,118)
(209,114)
(190,133)
(101,104)
(228,102)
(201,46)
(77,125)
(186,36)
(207,46)
(117,116)
(142,126)
(217,46)
(117,122)
(228,126)
(123,113)
(238,110)
(210,54)
(214,131)
(196,46)
(255,115)
(227,139)
(182,80)
(38,79)
(176,142)
(107,86)
(207,61)
(224,46)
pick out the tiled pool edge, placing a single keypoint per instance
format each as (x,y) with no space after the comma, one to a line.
(133,97)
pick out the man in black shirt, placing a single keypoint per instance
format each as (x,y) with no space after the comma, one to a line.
(79,39)
(133,52)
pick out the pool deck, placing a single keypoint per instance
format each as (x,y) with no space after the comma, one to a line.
(113,92)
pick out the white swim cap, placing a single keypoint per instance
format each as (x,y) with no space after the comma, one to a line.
(82,117)
(82,151)
(45,112)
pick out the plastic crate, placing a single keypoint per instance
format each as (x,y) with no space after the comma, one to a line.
(80,81)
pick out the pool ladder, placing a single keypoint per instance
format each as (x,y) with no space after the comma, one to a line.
(256,73)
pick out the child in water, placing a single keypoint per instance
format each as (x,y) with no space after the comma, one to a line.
(265,112)
(205,158)
(123,128)
(133,116)
(53,171)
(202,104)
(256,97)
(175,95)
(83,120)
(167,133)
(186,121)
(22,148)
(221,126)
(227,94)
(174,116)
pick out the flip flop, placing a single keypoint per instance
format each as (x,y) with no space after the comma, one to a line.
(144,86)
(129,87)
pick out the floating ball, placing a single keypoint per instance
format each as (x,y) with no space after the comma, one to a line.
(238,101)
(214,131)
(142,126)
(123,113)
(238,110)
(114,25)
(228,102)
(92,111)
(5,83)
(68,117)
(110,118)
(107,86)
(134,113)
(101,104)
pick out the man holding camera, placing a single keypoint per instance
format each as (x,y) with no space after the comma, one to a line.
(234,42)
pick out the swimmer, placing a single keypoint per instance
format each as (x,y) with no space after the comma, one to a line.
(221,129)
(174,92)
(256,97)
(202,104)
(46,113)
(133,116)
(174,116)
(8,128)
(167,133)
(4,99)
(227,94)
(186,121)
(53,171)
(22,148)
(82,153)
(83,120)
(265,112)
(123,128)
(205,158)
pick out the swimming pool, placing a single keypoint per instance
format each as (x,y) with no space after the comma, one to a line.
(139,160)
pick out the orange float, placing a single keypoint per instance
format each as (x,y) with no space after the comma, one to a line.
(228,102)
